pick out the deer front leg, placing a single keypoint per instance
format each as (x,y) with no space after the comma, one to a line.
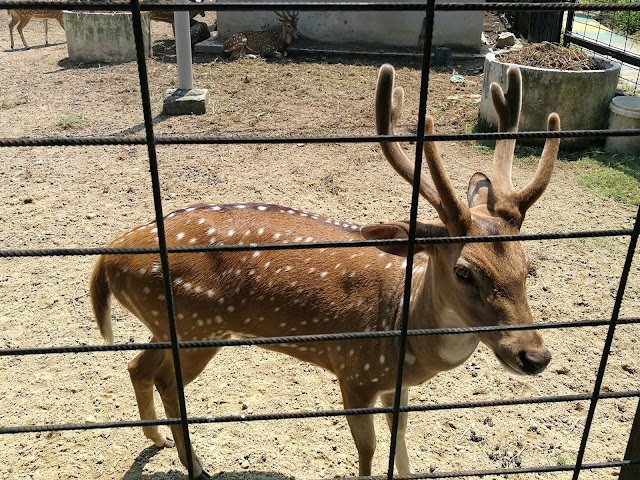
(362,427)
(402,456)
(46,31)
(192,363)
(142,370)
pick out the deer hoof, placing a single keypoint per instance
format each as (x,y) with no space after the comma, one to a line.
(167,443)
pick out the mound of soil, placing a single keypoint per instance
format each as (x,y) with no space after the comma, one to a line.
(550,55)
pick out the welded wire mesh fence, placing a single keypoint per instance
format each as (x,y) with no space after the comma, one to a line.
(151,141)
(612,34)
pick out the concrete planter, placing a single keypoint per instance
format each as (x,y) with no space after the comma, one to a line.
(581,98)
(460,31)
(104,37)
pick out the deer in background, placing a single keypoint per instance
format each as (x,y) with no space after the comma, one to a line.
(264,44)
(23,17)
(320,291)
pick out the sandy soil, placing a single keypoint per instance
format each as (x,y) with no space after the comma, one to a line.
(86,196)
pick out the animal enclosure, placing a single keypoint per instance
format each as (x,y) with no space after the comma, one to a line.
(82,191)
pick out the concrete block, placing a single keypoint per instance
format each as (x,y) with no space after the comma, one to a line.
(185,102)
(104,36)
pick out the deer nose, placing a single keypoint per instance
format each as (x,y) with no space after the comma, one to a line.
(534,362)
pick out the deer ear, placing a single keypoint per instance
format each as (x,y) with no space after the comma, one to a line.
(393,230)
(480,191)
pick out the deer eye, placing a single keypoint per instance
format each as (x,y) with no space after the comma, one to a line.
(463,274)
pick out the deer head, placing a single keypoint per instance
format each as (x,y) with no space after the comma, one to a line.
(289,22)
(481,283)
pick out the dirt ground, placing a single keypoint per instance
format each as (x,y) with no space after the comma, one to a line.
(87,196)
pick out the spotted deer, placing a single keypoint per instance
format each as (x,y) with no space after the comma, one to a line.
(22,17)
(267,293)
(264,44)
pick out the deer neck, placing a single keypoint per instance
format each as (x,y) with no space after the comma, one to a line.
(429,354)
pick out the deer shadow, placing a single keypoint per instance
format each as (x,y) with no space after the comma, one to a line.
(135,471)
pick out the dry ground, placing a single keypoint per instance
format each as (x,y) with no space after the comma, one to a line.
(86,196)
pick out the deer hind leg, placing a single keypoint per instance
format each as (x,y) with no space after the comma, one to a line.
(402,457)
(46,31)
(142,370)
(21,25)
(362,427)
(192,363)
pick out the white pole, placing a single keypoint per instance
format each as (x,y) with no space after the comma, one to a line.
(183,47)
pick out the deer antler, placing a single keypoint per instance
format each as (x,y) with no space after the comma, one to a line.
(437,190)
(510,203)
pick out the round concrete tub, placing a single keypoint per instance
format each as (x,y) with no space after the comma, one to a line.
(581,98)
(104,37)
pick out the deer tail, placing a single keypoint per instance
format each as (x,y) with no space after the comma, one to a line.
(100,295)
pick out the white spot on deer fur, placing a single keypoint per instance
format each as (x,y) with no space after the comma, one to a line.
(382,359)
(154,313)
(308,239)
(201,221)
(409,359)
(161,297)
(155,230)
(256,254)
(277,309)
(283,324)
(187,286)
(208,321)
(324,274)
(215,207)
(146,290)
(200,323)
(367,366)
(291,211)
(287,268)
(125,269)
(218,319)
(251,272)
(171,215)
(374,380)
(230,233)
(351,352)
(260,231)
(230,308)
(180,236)
(247,320)
(298,239)
(194,315)
(192,241)
(388,265)
(221,300)
(180,316)
(312,269)
(177,281)
(266,265)
(262,207)
(209,293)
(210,231)
(241,206)
(277,236)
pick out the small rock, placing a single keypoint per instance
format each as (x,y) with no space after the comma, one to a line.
(505,39)
(91,215)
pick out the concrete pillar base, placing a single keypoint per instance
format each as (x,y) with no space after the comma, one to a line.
(185,102)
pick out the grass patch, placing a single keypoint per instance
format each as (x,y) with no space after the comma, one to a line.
(69,123)
(610,175)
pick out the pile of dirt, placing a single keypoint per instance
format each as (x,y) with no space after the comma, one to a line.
(550,55)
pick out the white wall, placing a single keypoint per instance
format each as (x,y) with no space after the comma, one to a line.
(458,30)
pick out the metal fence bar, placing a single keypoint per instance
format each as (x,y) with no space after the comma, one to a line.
(162,243)
(150,140)
(633,242)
